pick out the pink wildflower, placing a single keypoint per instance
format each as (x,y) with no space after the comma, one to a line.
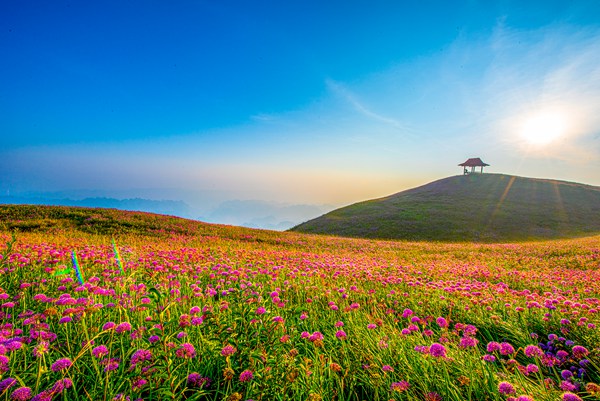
(246,376)
(228,350)
(533,351)
(506,388)
(400,386)
(186,351)
(61,365)
(437,350)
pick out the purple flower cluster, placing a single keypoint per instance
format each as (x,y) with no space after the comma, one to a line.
(228,350)
(186,351)
(246,376)
(437,350)
(21,394)
(400,386)
(196,380)
(140,356)
(61,365)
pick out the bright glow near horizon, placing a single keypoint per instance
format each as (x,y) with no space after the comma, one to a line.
(544,127)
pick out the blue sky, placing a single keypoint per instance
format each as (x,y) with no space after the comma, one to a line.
(294,102)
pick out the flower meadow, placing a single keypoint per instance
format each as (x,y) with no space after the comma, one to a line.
(225,313)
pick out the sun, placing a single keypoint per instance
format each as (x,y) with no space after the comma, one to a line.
(544,128)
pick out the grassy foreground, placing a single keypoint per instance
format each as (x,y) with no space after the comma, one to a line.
(203,312)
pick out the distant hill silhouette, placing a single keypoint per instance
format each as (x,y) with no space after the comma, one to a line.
(475,207)
(168,207)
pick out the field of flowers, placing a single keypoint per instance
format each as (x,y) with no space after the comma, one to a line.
(235,314)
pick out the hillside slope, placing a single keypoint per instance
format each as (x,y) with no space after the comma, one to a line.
(477,207)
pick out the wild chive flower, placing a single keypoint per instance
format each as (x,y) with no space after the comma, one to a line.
(123,327)
(532,351)
(196,380)
(41,349)
(246,376)
(506,349)
(387,368)
(228,350)
(443,323)
(470,330)
(7,383)
(488,358)
(466,342)
(4,360)
(108,326)
(65,319)
(579,351)
(21,394)
(193,378)
(371,326)
(13,344)
(61,385)
(493,346)
(400,386)
(506,388)
(340,334)
(100,351)
(153,339)
(568,396)
(433,396)
(138,384)
(186,351)
(567,386)
(110,364)
(566,374)
(260,310)
(61,364)
(532,368)
(437,350)
(139,356)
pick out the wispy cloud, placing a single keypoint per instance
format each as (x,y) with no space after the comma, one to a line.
(555,69)
(346,94)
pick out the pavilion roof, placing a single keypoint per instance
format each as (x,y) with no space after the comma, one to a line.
(474,162)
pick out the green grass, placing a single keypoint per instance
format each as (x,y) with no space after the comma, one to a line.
(477,207)
(175,268)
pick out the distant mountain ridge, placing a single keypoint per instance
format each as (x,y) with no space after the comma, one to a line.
(167,207)
(246,213)
(475,207)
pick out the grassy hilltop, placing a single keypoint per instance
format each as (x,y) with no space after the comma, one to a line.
(476,207)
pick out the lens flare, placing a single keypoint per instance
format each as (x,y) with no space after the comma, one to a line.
(544,128)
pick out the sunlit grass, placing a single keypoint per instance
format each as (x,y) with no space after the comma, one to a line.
(224,313)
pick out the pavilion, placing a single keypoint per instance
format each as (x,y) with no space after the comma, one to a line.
(473,162)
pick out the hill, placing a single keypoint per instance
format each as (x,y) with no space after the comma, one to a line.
(476,207)
(42,219)
(169,207)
